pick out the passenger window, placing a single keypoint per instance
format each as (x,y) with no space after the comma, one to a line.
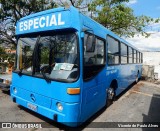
(123,53)
(130,55)
(113,51)
(141,58)
(135,56)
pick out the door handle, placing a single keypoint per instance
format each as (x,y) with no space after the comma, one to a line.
(33,98)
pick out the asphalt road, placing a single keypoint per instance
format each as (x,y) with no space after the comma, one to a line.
(141,103)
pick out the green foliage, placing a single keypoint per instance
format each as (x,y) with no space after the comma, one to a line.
(113,14)
(45,55)
(6,56)
(12,10)
(116,16)
(3,53)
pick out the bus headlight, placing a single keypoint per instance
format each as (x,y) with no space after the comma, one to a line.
(59,106)
(14,90)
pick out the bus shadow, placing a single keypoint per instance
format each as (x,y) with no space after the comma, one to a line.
(6,92)
(52,124)
(153,115)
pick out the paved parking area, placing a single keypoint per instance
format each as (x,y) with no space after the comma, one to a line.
(141,103)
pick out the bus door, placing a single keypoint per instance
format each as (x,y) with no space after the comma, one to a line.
(93,71)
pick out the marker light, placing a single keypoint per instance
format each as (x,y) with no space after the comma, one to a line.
(14,90)
(73,91)
(59,106)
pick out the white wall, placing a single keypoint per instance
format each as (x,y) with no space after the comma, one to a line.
(152,58)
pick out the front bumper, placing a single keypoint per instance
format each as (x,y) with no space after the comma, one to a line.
(69,117)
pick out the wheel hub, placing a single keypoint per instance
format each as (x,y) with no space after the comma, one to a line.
(110,93)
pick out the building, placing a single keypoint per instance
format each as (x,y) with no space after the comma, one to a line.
(152,58)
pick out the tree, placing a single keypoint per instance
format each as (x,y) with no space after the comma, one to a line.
(6,56)
(11,11)
(113,14)
(3,54)
(116,16)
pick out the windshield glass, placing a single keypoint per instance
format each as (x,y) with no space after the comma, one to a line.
(25,50)
(54,55)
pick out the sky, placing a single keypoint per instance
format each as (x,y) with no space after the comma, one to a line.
(149,8)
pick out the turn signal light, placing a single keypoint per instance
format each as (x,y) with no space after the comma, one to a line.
(73,91)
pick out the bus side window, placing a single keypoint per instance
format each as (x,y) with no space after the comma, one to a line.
(130,55)
(113,51)
(123,53)
(135,56)
(141,58)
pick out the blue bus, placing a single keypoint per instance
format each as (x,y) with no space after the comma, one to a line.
(68,66)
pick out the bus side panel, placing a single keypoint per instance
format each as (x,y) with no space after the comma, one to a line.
(114,73)
(127,75)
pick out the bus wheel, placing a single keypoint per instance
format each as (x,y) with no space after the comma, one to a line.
(110,96)
(137,77)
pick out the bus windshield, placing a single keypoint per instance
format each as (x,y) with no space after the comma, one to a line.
(54,56)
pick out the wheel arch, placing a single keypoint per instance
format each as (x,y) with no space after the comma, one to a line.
(114,84)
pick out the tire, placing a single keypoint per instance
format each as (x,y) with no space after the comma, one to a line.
(110,96)
(137,78)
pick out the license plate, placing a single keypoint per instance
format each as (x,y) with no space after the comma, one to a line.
(32,107)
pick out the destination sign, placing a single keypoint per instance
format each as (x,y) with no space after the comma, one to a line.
(41,22)
(44,21)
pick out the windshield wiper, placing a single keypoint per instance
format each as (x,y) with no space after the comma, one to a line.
(44,75)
